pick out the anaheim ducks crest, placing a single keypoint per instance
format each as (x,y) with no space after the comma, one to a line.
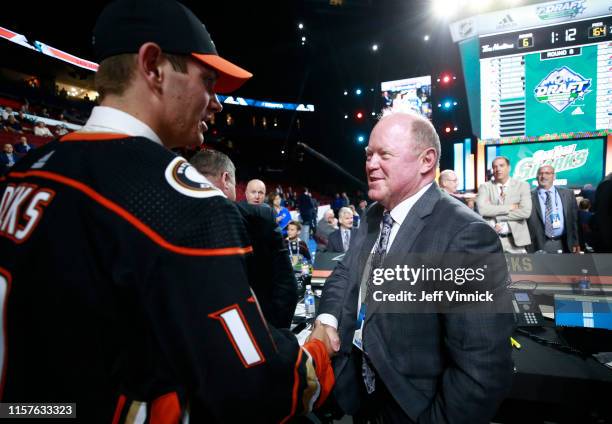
(185,179)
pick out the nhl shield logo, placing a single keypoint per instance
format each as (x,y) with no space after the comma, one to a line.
(561,88)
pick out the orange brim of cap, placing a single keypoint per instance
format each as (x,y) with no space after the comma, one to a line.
(230,78)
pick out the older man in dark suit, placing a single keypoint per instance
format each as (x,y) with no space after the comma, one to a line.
(427,367)
(340,240)
(553,224)
(270,271)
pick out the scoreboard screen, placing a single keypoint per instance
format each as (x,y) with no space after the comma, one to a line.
(550,79)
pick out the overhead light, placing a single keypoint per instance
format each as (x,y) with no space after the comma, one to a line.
(374,47)
(358,91)
(445,9)
(426,37)
(301,25)
(345,92)
(303,38)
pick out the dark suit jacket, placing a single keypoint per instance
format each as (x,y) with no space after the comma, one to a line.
(270,272)
(440,368)
(602,221)
(4,162)
(570,220)
(334,241)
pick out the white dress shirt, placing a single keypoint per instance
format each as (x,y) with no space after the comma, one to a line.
(505,228)
(110,120)
(399,214)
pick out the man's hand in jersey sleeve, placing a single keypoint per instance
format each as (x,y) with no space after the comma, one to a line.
(328,335)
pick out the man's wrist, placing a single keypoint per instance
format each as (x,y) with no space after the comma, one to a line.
(328,319)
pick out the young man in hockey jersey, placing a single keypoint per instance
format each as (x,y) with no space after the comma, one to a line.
(122,270)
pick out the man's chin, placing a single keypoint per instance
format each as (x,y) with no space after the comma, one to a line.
(374,195)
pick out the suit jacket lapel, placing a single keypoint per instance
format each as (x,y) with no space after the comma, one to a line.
(414,222)
(407,235)
(374,216)
(535,201)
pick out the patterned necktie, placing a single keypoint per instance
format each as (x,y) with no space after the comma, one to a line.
(380,250)
(548,227)
(502,195)
(346,239)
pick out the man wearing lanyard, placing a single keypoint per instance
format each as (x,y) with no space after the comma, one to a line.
(553,223)
(410,367)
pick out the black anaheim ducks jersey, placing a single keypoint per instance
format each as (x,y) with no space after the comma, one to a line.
(124,288)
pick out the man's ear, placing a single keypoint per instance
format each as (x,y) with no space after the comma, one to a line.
(150,59)
(429,160)
(226,179)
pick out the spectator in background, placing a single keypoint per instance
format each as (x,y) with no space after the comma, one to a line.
(271,275)
(356,217)
(553,224)
(307,213)
(41,130)
(585,234)
(255,192)
(61,130)
(290,198)
(506,205)
(23,119)
(345,200)
(588,192)
(340,239)
(337,204)
(448,182)
(298,249)
(22,146)
(44,113)
(361,208)
(13,125)
(602,219)
(282,215)
(7,158)
(327,225)
(5,113)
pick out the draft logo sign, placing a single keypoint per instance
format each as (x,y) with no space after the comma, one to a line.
(561,88)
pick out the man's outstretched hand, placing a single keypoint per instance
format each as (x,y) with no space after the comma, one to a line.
(328,335)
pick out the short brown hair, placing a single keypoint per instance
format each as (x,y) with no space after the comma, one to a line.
(116,72)
(296,223)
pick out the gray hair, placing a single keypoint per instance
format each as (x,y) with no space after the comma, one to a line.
(445,174)
(345,210)
(213,163)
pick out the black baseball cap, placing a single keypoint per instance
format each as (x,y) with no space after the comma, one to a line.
(125,25)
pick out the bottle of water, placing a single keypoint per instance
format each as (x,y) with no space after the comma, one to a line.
(584,283)
(309,302)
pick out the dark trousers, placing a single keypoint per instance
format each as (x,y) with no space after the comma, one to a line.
(380,407)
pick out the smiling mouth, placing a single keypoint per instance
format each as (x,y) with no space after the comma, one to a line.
(203,126)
